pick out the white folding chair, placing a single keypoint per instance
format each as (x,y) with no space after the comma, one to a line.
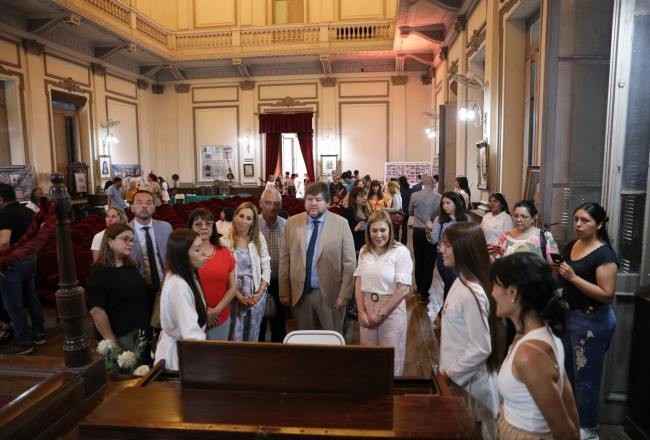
(317,337)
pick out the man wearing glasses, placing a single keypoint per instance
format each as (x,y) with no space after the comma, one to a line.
(272,227)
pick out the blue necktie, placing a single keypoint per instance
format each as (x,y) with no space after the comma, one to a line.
(310,257)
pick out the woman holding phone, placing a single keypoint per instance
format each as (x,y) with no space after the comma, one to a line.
(589,280)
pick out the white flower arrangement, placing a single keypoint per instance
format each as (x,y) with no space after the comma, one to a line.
(123,362)
(126,360)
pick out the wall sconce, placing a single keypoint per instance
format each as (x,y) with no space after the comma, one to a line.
(471,112)
(109,138)
(430,132)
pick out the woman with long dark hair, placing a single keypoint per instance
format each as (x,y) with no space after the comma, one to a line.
(182,307)
(497,221)
(461,186)
(357,214)
(538,401)
(467,336)
(452,211)
(405,191)
(376,197)
(217,275)
(589,281)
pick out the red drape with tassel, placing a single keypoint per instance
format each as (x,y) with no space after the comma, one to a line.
(278,123)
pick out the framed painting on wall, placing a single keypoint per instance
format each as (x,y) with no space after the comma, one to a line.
(104,167)
(328,163)
(249,170)
(533,183)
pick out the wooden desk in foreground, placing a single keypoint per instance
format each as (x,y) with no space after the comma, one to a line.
(250,390)
(165,410)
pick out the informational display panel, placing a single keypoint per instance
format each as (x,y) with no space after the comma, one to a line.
(21,178)
(409,169)
(216,162)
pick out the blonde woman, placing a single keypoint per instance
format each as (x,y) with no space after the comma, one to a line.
(248,247)
(114,215)
(394,206)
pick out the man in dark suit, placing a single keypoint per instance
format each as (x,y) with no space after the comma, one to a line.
(418,186)
(150,247)
(317,262)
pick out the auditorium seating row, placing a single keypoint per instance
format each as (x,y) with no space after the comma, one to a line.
(83,231)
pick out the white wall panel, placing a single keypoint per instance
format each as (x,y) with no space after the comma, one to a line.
(361,10)
(215,94)
(270,92)
(363,89)
(212,13)
(364,136)
(127,151)
(121,86)
(59,68)
(216,126)
(9,53)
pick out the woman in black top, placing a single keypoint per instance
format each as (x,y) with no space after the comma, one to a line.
(589,280)
(357,214)
(118,292)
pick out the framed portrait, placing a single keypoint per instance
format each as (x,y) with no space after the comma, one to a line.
(328,163)
(249,170)
(105,167)
(482,164)
(533,182)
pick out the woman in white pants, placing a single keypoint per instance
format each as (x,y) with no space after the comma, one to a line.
(383,279)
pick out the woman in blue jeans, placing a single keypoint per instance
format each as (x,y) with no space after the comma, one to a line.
(589,280)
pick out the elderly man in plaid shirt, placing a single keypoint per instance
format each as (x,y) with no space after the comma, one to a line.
(272,227)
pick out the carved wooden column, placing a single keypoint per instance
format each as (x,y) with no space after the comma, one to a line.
(70,300)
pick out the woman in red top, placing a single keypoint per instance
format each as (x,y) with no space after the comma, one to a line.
(217,276)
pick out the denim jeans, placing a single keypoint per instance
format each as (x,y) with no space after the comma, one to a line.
(586,341)
(18,289)
(448,274)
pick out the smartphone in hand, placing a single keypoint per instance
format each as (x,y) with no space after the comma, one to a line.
(557,258)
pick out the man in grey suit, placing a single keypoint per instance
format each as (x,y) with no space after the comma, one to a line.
(150,246)
(424,205)
(317,262)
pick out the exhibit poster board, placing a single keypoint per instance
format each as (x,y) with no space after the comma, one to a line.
(216,162)
(408,169)
(21,178)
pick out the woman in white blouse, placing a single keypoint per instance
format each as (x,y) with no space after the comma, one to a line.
(468,324)
(182,307)
(383,279)
(497,221)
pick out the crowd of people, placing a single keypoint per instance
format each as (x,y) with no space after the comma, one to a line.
(231,279)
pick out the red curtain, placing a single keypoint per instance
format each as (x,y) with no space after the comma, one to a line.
(275,124)
(273,152)
(306,141)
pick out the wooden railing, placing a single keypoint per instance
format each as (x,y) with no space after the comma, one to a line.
(234,38)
